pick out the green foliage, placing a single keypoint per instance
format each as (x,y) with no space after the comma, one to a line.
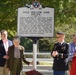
(65,19)
(8,15)
(27,43)
(45,45)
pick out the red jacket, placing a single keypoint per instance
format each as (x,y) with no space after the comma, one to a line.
(73,66)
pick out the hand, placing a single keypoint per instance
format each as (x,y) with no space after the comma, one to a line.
(6,57)
(55,53)
(31,63)
(7,69)
(75,54)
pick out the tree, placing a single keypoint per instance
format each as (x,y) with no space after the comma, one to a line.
(45,45)
(65,15)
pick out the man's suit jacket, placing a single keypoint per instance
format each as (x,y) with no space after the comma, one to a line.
(3,52)
(11,59)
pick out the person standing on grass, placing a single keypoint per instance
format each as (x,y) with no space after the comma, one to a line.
(72,56)
(60,53)
(4,44)
(16,56)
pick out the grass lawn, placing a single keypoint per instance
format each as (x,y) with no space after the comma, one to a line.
(43,63)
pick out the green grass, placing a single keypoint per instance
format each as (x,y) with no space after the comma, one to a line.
(45,63)
(42,63)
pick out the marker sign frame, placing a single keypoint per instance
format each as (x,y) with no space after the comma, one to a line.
(35,22)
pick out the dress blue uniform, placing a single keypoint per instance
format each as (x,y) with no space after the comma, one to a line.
(59,63)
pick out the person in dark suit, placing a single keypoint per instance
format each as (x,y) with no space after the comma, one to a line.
(16,56)
(4,44)
(60,53)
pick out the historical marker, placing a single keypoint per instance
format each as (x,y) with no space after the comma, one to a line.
(35,21)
